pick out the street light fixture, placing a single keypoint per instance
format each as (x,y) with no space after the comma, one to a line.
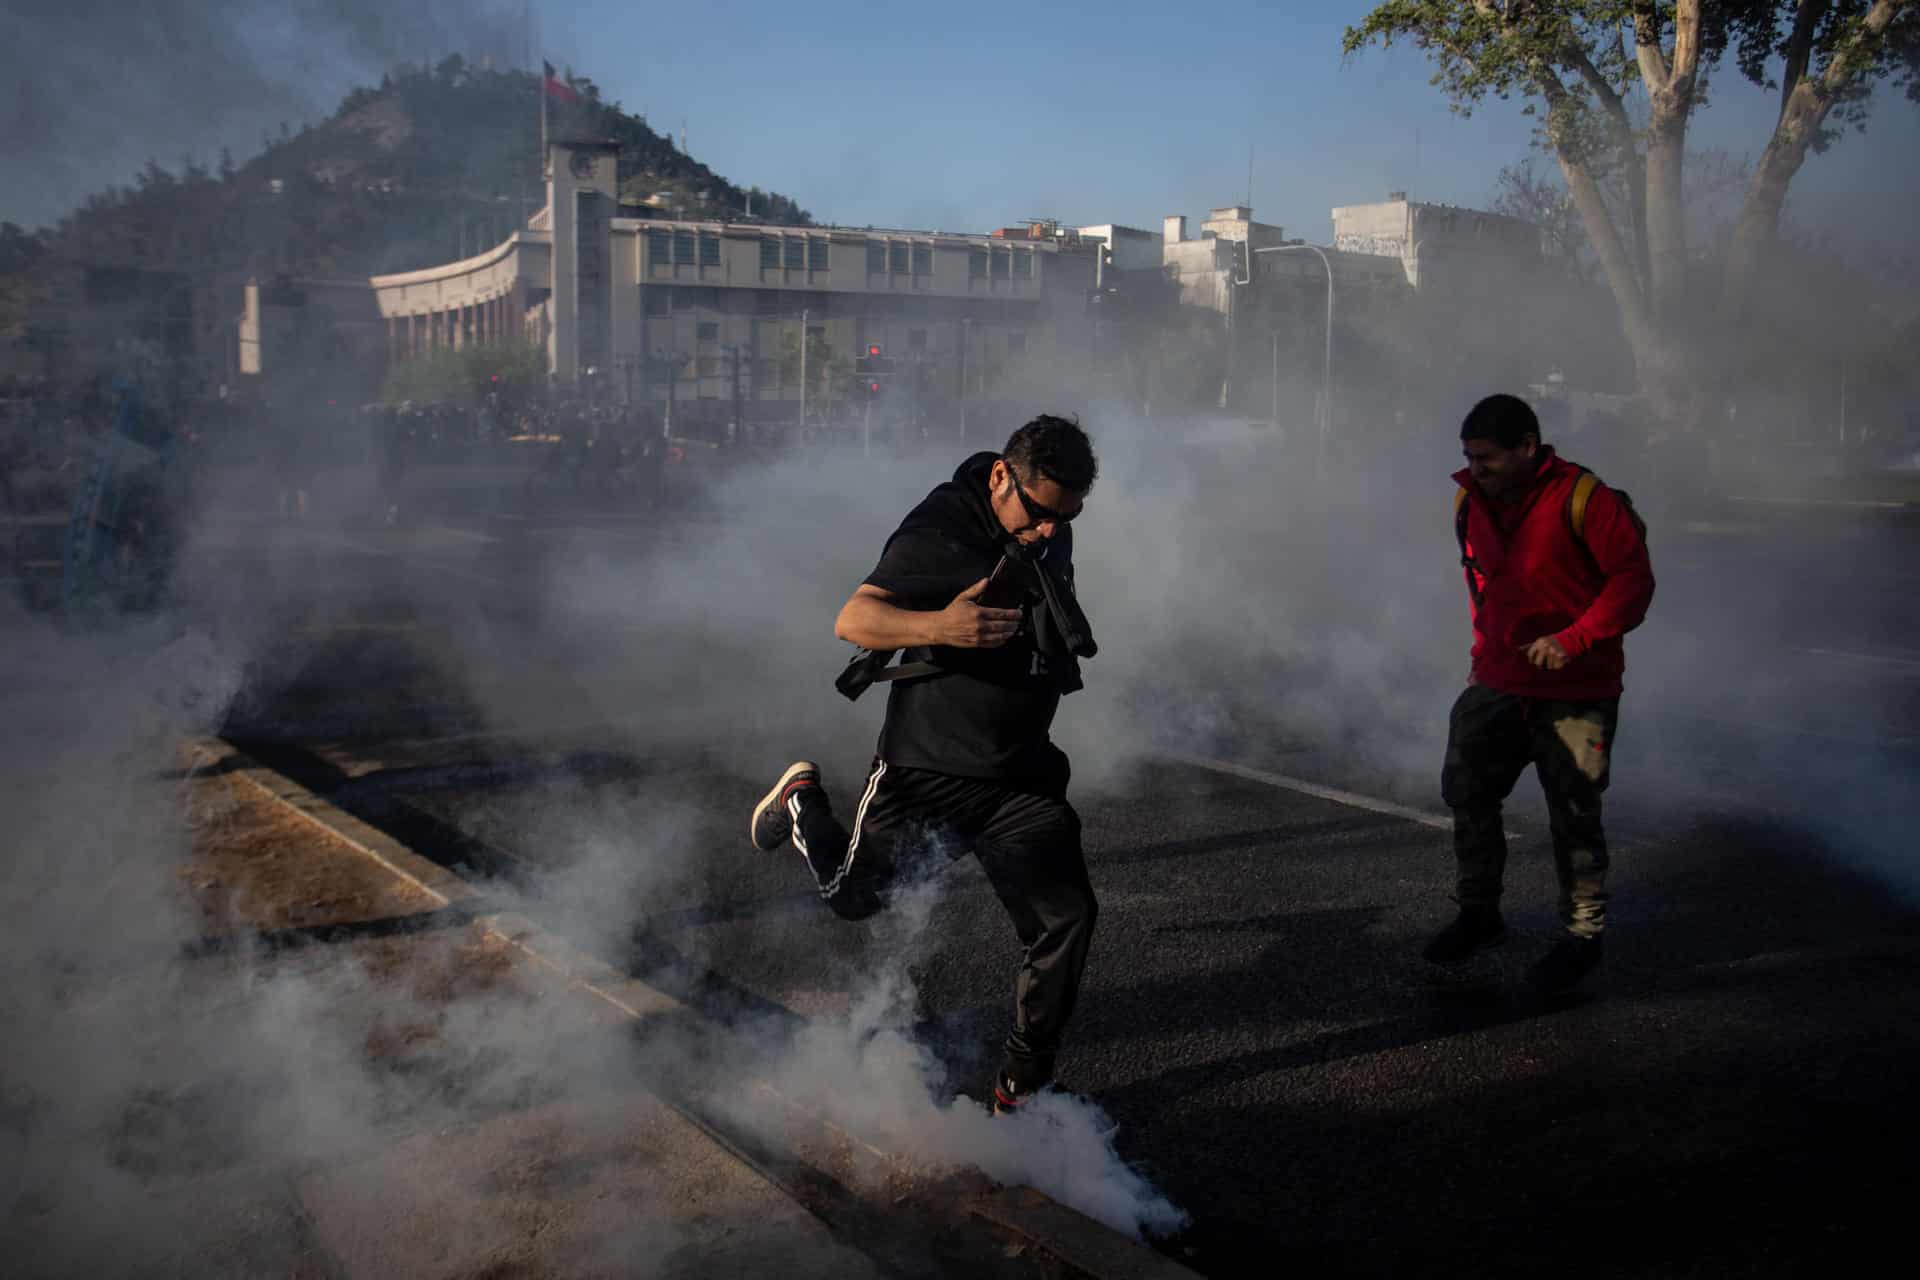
(1326,366)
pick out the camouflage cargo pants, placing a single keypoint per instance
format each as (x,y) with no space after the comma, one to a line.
(1491,738)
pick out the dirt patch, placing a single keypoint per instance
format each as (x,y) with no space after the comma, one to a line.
(255,864)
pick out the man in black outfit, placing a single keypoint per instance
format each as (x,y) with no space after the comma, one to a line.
(964,760)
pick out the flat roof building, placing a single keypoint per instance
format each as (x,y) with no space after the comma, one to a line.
(1430,238)
(685,310)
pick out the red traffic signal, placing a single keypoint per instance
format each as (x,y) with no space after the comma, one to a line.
(873,388)
(874,350)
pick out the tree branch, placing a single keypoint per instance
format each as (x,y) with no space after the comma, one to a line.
(1615,262)
(1610,100)
(1799,50)
(1801,116)
(1685,64)
(1615,106)
(1846,64)
(1646,45)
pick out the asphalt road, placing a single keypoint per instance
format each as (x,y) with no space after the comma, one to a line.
(1731,1098)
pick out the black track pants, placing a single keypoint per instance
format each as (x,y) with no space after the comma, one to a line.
(1028,842)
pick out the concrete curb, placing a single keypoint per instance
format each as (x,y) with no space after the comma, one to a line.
(1081,1246)
(1072,1239)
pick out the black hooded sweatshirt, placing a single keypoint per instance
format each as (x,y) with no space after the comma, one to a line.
(988,713)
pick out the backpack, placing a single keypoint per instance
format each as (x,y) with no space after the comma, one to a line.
(1577,500)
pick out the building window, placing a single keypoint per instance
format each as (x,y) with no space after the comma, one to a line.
(977,264)
(796,254)
(923,259)
(659,247)
(709,366)
(876,257)
(999,264)
(1016,344)
(817,255)
(683,248)
(816,332)
(916,339)
(769,253)
(709,249)
(766,301)
(1023,264)
(708,331)
(897,258)
(654,301)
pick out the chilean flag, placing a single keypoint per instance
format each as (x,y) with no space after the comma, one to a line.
(559,89)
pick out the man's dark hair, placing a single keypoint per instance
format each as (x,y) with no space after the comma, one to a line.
(1506,420)
(1054,449)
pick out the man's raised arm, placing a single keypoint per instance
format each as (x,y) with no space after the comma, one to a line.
(872,619)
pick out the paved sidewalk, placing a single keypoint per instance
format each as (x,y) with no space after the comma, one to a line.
(352,1085)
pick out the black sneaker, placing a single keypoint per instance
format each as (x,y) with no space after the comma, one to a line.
(1562,968)
(1472,930)
(1016,1084)
(774,816)
(1007,1099)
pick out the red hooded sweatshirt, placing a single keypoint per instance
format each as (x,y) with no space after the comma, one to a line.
(1533,579)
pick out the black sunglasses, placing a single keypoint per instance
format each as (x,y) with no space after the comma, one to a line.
(1036,512)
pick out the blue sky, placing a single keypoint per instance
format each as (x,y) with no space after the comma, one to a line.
(963,118)
(944,117)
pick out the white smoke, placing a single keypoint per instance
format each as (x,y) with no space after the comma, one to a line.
(866,1073)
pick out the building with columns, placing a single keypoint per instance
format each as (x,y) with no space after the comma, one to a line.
(709,316)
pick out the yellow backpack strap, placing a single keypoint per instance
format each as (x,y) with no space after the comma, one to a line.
(1459,500)
(1577,505)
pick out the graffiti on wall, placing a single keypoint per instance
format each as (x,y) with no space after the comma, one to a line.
(1377,246)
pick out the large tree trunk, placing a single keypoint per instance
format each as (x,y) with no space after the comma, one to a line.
(1660,364)
(1669,81)
(1759,219)
(1666,217)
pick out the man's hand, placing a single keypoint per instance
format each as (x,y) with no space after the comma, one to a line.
(1546,652)
(967,624)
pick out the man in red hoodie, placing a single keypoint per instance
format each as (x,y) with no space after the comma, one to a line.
(1557,572)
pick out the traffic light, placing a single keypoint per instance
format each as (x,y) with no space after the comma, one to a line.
(873,369)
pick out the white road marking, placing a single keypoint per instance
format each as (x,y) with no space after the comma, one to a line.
(1352,799)
(1906,658)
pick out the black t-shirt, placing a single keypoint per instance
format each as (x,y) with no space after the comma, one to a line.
(988,714)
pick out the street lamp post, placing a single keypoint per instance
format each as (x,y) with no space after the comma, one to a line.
(966,326)
(1326,366)
(1274,416)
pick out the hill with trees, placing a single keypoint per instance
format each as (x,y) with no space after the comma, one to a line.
(432,164)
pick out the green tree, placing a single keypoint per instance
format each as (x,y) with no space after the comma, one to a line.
(1616,83)
(513,371)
